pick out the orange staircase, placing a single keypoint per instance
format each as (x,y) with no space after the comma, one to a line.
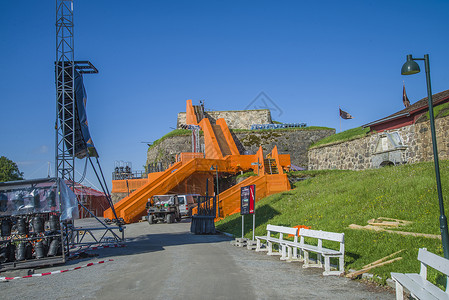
(132,208)
(222,155)
(267,183)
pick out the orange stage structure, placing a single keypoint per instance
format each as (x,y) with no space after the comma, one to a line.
(189,174)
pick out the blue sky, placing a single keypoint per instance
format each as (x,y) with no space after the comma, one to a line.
(309,57)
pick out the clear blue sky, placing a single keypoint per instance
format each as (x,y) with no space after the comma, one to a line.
(309,57)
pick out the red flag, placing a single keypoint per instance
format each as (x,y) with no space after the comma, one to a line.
(404,97)
(345,115)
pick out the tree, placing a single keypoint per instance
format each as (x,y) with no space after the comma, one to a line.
(9,170)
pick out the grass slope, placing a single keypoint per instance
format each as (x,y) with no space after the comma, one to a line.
(282,129)
(175,132)
(347,135)
(331,200)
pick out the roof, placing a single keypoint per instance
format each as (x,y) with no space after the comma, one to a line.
(85,190)
(417,106)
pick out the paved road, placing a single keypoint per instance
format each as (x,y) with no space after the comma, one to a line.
(165,261)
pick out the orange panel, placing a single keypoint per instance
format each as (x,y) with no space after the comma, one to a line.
(186,156)
(260,160)
(242,162)
(284,160)
(127,185)
(190,114)
(228,136)
(212,149)
(275,156)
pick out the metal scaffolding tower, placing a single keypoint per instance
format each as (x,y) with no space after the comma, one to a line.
(69,138)
(65,92)
(70,143)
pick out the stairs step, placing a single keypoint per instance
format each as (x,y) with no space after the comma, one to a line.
(270,166)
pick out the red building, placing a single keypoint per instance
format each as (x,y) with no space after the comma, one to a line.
(92,199)
(409,115)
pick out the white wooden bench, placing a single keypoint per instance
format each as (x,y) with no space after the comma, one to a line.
(273,229)
(320,250)
(417,284)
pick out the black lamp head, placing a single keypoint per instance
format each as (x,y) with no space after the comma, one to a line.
(410,67)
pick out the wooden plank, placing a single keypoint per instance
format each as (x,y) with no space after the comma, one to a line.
(382,259)
(357,273)
(377,228)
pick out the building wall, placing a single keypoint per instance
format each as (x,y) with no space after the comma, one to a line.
(236,119)
(358,154)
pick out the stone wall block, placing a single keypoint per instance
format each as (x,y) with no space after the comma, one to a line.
(416,138)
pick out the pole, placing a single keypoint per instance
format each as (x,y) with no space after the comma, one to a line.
(243,225)
(217,198)
(443,219)
(258,166)
(254,223)
(339,115)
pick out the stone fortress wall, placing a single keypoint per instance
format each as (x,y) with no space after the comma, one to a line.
(294,142)
(236,119)
(408,144)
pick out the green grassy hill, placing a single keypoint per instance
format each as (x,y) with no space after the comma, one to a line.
(332,200)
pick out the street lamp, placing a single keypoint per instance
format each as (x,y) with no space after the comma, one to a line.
(216,193)
(410,67)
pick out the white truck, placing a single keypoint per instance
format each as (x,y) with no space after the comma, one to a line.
(186,203)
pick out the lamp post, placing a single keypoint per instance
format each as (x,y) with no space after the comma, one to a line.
(217,192)
(410,67)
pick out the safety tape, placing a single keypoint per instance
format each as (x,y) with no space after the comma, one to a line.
(55,272)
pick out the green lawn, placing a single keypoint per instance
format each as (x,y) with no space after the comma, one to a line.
(281,129)
(347,135)
(331,200)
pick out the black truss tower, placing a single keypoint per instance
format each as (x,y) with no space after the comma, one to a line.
(67,132)
(65,92)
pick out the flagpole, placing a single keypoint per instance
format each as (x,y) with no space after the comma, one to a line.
(339,114)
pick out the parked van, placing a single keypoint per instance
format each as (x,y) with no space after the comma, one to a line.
(186,203)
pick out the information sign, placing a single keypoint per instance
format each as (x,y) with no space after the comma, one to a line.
(247,199)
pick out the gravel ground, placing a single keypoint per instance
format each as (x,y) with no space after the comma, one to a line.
(165,261)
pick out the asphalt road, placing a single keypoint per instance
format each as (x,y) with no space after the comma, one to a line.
(166,261)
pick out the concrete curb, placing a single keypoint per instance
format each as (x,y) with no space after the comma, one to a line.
(225,233)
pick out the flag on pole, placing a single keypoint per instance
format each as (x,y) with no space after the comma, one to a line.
(345,115)
(404,97)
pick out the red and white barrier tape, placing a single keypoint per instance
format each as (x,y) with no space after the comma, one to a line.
(55,272)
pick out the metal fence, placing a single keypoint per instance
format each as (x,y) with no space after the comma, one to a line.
(117,175)
(277,126)
(203,221)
